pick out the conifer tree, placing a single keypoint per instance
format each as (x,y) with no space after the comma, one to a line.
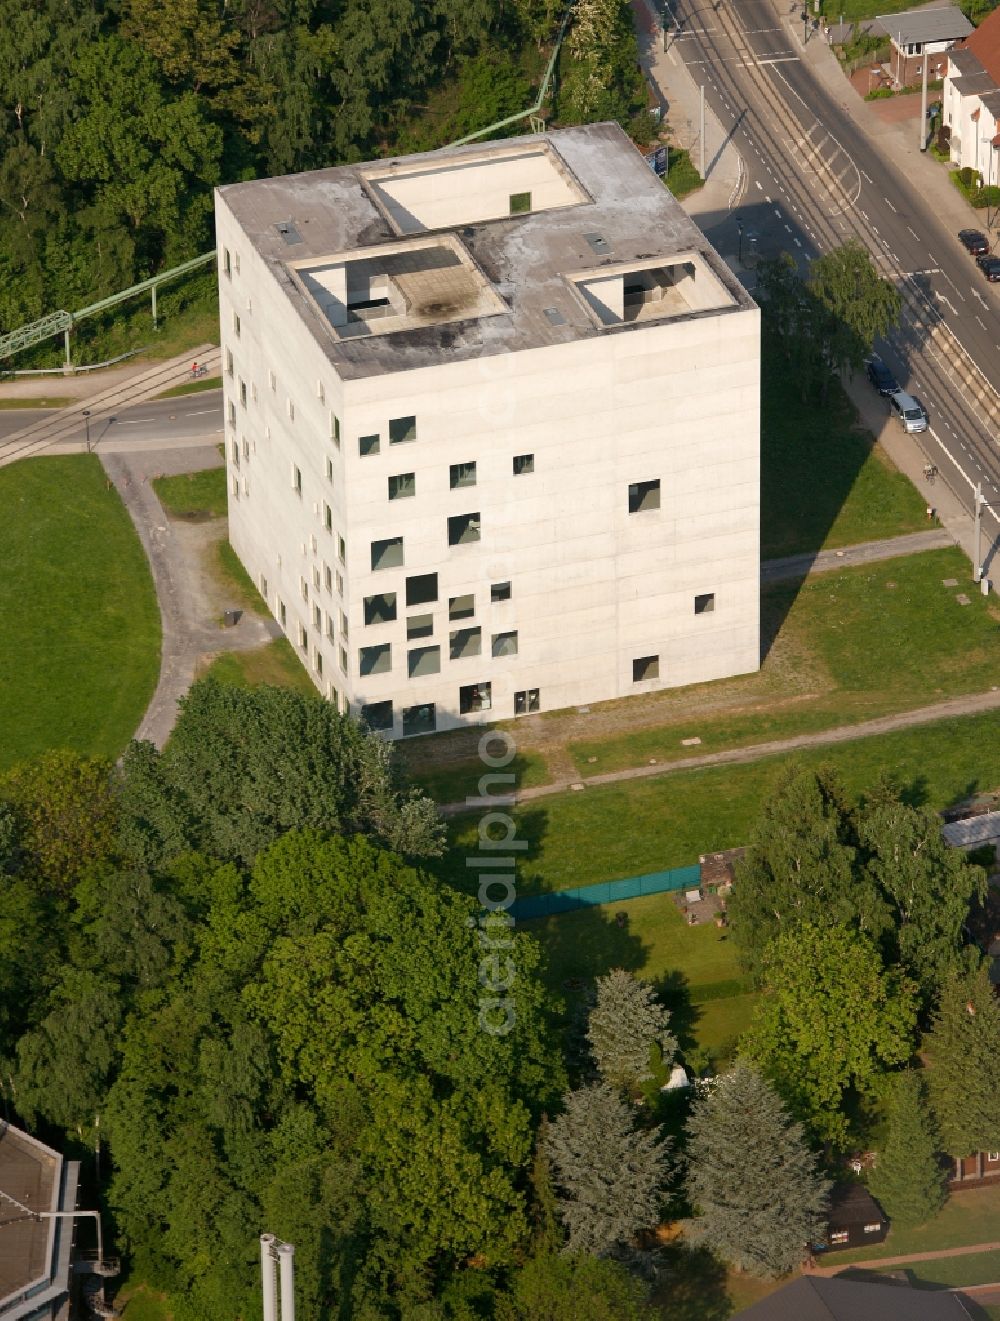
(611,1175)
(908,1179)
(752,1179)
(626,1023)
(963,1047)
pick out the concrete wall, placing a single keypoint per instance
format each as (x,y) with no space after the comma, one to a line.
(593,586)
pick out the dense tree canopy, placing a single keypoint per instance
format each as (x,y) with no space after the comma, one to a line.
(963,1050)
(908,1179)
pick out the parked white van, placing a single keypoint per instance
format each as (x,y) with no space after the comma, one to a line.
(910,413)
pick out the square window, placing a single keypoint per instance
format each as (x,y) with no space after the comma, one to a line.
(520,203)
(369,445)
(500,592)
(466,642)
(463,529)
(525,702)
(236,486)
(318,661)
(317,619)
(419,719)
(342,550)
(243,393)
(329,470)
(291,411)
(993,1157)
(375,660)
(505,644)
(704,604)
(474,697)
(335,429)
(246,448)
(316,577)
(839,1236)
(422,661)
(304,589)
(296,479)
(234,451)
(402,429)
(419,626)
(236,324)
(343,625)
(380,609)
(303,637)
(331,631)
(343,659)
(327,577)
(377,715)
(229,362)
(282,614)
(643,497)
(874,1227)
(327,517)
(387,554)
(340,583)
(523,463)
(461,607)
(227,262)
(263,587)
(462,474)
(421,588)
(231,412)
(402,486)
(645,667)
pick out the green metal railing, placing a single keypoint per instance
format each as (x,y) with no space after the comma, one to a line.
(607,892)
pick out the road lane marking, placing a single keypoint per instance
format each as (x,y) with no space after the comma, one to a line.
(867,176)
(914,233)
(890,206)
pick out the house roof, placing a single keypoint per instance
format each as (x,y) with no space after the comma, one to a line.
(813,1298)
(944,24)
(29,1181)
(853,1204)
(983,829)
(985,44)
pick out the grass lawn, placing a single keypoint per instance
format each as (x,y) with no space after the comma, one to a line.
(80,644)
(682,175)
(858,9)
(851,645)
(192,387)
(451,784)
(276,663)
(949,1272)
(48,401)
(968,1217)
(637,826)
(193,494)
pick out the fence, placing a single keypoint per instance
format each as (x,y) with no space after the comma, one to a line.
(607,892)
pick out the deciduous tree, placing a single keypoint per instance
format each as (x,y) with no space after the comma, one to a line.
(759,1198)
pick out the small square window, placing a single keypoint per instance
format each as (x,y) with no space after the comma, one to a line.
(839,1236)
(229,362)
(377,715)
(227,262)
(474,697)
(282,614)
(343,625)
(380,609)
(500,592)
(331,631)
(236,324)
(342,550)
(387,554)
(465,642)
(304,589)
(464,529)
(231,412)
(461,607)
(234,452)
(236,486)
(526,701)
(643,497)
(419,626)
(523,463)
(329,470)
(263,587)
(327,517)
(243,394)
(291,411)
(246,448)
(328,577)
(343,659)
(505,644)
(296,479)
(369,445)
(402,429)
(462,474)
(421,588)
(645,667)
(318,661)
(317,619)
(335,429)
(316,577)
(340,583)
(420,719)
(303,637)
(402,486)
(422,661)
(874,1227)
(704,604)
(520,203)
(375,660)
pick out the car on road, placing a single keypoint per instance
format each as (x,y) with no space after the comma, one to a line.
(974,241)
(911,413)
(881,377)
(990,267)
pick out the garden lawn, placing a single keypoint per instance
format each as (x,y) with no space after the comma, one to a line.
(193,494)
(80,636)
(824,483)
(276,663)
(967,1218)
(644,825)
(851,645)
(951,1272)
(198,386)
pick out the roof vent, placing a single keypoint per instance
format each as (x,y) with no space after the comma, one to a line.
(288,232)
(597,242)
(555,316)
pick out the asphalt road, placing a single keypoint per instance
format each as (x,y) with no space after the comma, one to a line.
(163,421)
(814,181)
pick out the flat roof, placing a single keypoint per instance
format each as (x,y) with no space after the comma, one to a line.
(586,198)
(30,1174)
(946,23)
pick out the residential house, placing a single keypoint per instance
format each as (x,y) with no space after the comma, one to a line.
(855,1219)
(971,100)
(813,1298)
(920,34)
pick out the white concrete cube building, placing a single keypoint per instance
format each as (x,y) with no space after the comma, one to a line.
(492,429)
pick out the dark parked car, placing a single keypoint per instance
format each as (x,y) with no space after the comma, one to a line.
(881,377)
(990,267)
(973,241)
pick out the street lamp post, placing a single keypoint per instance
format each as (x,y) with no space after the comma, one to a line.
(739,231)
(86,419)
(980,501)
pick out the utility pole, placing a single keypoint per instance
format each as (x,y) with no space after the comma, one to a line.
(923,106)
(739,231)
(701,136)
(978,566)
(86,419)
